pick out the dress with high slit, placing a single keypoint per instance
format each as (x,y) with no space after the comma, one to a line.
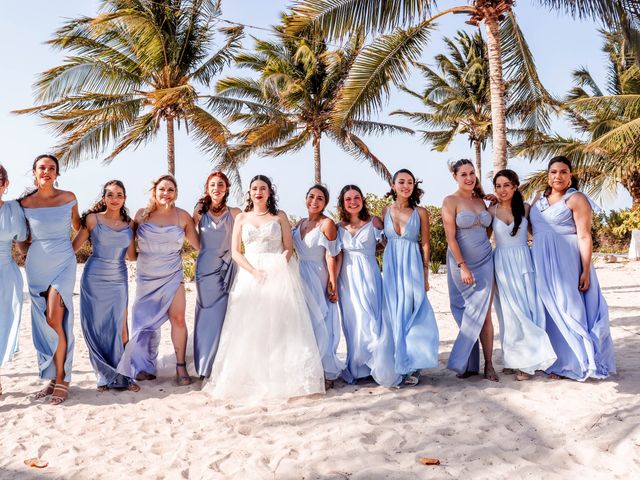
(51,263)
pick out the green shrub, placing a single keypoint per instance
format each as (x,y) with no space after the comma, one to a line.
(611,232)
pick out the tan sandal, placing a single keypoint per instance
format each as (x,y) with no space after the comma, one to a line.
(58,399)
(46,391)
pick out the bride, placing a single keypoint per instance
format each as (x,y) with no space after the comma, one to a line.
(267,346)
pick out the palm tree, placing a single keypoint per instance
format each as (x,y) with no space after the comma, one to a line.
(606,152)
(130,68)
(410,21)
(290,103)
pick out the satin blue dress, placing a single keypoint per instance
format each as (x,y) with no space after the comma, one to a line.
(470,303)
(325,315)
(51,262)
(525,344)
(104,295)
(159,276)
(413,323)
(369,340)
(577,322)
(13,227)
(214,276)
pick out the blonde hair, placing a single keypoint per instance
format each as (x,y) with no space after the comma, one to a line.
(152,205)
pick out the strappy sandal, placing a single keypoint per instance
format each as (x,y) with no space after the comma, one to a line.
(102,388)
(491,375)
(182,380)
(58,399)
(46,391)
(411,379)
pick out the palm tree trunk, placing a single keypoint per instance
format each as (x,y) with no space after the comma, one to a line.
(316,158)
(496,85)
(171,147)
(478,148)
(632,184)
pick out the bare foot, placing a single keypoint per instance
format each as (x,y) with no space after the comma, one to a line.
(508,371)
(490,374)
(145,376)
(555,376)
(46,391)
(520,376)
(466,374)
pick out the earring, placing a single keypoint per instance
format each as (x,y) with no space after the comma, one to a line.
(55,184)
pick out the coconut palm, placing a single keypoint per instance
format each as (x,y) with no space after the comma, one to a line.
(606,152)
(411,21)
(129,69)
(290,102)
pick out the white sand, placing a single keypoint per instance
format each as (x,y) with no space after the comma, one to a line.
(535,429)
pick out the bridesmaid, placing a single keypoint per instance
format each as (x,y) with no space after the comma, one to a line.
(369,340)
(214,269)
(51,275)
(315,241)
(160,229)
(13,227)
(525,344)
(405,278)
(577,313)
(469,272)
(104,289)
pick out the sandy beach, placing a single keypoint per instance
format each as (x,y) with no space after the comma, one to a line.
(541,428)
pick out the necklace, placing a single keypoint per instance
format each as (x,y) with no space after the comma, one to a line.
(215,209)
(260,214)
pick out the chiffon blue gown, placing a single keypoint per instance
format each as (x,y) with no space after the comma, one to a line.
(325,315)
(470,303)
(104,295)
(369,340)
(413,323)
(13,227)
(159,276)
(214,277)
(525,344)
(577,322)
(51,263)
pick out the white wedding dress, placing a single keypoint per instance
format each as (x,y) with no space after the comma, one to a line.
(267,349)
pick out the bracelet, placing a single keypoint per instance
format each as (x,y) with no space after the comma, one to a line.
(461,263)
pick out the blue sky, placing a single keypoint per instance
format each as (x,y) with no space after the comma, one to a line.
(559,43)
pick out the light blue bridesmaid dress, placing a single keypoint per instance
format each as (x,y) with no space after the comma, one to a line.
(577,322)
(470,303)
(51,262)
(525,344)
(214,277)
(325,315)
(413,323)
(159,276)
(369,341)
(104,295)
(13,227)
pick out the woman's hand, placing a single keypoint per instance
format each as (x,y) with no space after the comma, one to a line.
(426,279)
(332,293)
(466,275)
(491,198)
(583,284)
(259,275)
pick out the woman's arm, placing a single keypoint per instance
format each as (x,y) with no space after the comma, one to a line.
(425,240)
(449,222)
(287,237)
(330,231)
(84,233)
(75,216)
(583,216)
(132,254)
(190,229)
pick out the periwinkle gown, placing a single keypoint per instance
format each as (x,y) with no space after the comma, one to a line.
(577,322)
(470,303)
(369,339)
(51,262)
(413,322)
(525,344)
(13,227)
(325,315)
(214,276)
(104,296)
(159,276)
(267,351)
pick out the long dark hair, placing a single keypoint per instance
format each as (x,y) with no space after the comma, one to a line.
(342,212)
(454,167)
(416,194)
(517,202)
(101,206)
(4,176)
(206,201)
(567,162)
(324,190)
(272,201)
(31,191)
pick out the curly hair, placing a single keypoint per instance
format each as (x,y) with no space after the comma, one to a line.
(455,166)
(205,201)
(272,201)
(416,194)
(567,162)
(152,205)
(343,215)
(101,206)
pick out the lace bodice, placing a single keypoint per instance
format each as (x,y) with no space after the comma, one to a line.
(267,238)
